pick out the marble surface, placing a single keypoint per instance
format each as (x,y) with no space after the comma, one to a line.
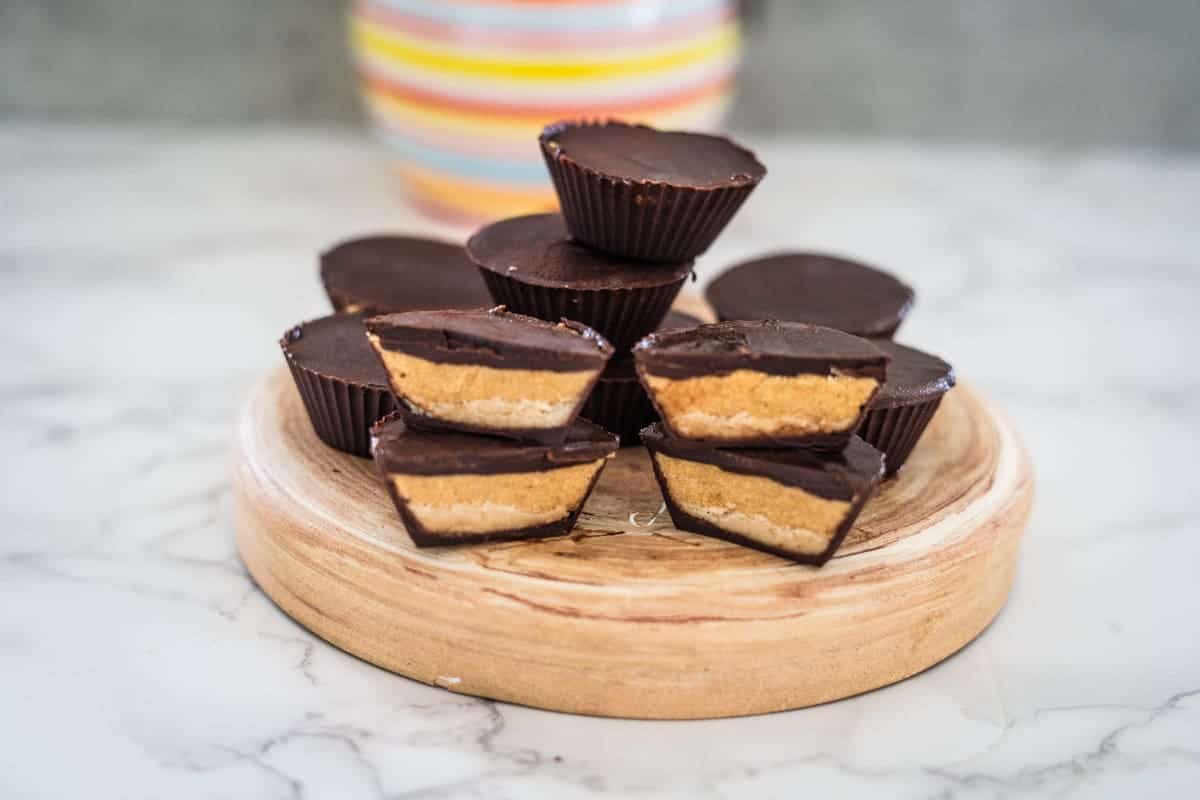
(145,276)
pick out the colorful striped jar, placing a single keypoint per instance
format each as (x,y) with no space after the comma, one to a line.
(459,89)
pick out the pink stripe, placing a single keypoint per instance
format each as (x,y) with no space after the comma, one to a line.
(447,101)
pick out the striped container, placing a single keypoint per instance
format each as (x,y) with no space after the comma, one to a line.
(460,89)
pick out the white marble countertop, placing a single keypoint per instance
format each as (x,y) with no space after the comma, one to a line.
(146,275)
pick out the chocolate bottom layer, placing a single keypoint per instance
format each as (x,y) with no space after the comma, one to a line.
(621,315)
(895,431)
(341,412)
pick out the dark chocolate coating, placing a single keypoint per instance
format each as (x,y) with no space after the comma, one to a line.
(813,288)
(402,449)
(385,274)
(495,338)
(853,475)
(642,154)
(336,346)
(773,347)
(618,402)
(895,430)
(340,381)
(426,538)
(621,367)
(913,377)
(536,250)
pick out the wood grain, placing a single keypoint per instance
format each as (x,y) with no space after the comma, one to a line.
(629,616)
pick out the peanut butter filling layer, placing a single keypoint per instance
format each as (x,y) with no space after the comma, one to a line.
(757,508)
(484,396)
(746,403)
(474,504)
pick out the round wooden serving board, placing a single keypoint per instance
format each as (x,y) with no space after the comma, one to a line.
(628,616)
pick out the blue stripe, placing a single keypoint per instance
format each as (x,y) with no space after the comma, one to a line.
(494,170)
(617,18)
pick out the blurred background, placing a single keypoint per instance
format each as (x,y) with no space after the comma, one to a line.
(1066,73)
(1072,72)
(457,90)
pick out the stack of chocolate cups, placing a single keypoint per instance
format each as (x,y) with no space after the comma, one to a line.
(638,206)
(757,441)
(486,442)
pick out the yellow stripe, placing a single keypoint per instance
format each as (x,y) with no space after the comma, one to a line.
(371,38)
(611,51)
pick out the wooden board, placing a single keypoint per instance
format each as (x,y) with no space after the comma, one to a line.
(629,616)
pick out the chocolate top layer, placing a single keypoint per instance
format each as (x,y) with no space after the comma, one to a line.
(335,346)
(769,346)
(645,155)
(383,274)
(913,377)
(495,338)
(835,476)
(809,287)
(411,451)
(536,249)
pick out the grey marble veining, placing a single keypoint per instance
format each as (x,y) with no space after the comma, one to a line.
(146,274)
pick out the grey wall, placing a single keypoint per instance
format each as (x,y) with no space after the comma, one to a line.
(1041,71)
(192,60)
(1052,72)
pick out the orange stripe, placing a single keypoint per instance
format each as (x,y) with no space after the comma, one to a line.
(521,113)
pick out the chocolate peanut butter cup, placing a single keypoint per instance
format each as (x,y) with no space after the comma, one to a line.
(761,384)
(533,267)
(916,382)
(385,274)
(488,371)
(814,288)
(340,380)
(647,194)
(456,488)
(795,503)
(618,403)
